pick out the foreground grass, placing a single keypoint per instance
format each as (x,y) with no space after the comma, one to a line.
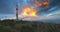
(27,26)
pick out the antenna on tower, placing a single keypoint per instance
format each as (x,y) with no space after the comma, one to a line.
(16,11)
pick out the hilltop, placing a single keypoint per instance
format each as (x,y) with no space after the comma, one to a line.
(28,26)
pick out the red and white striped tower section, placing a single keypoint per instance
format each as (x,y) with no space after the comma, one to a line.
(16,12)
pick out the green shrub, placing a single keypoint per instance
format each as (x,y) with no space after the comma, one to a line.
(27,29)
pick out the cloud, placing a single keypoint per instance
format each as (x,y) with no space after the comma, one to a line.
(7,6)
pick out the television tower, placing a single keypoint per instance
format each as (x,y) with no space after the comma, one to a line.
(16,12)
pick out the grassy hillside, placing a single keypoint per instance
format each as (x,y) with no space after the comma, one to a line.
(27,26)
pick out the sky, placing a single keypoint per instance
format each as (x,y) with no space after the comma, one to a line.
(8,8)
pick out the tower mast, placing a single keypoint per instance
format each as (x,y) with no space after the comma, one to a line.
(16,12)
